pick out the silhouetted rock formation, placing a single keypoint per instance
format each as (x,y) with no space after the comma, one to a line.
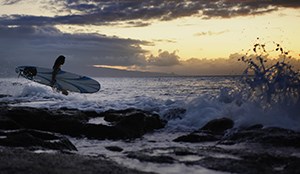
(130,123)
(211,131)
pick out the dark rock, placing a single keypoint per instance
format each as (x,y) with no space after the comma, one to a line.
(268,136)
(101,132)
(114,148)
(138,124)
(256,126)
(7,124)
(21,161)
(248,159)
(253,163)
(212,131)
(131,123)
(32,138)
(113,117)
(218,126)
(91,114)
(197,137)
(233,165)
(183,152)
(151,158)
(4,95)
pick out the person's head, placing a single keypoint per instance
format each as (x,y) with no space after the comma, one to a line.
(61,59)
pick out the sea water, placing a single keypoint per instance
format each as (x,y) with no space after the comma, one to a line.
(201,98)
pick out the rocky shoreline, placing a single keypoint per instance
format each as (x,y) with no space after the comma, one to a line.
(19,161)
(25,131)
(42,129)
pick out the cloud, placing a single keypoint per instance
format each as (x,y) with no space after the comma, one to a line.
(165,40)
(137,13)
(195,66)
(219,66)
(41,45)
(10,2)
(164,58)
(211,33)
(34,40)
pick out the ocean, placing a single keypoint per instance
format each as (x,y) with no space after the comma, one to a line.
(201,98)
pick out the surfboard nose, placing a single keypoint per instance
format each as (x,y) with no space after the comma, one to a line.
(17,70)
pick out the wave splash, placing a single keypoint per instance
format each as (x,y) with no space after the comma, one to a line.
(266,94)
(243,113)
(271,84)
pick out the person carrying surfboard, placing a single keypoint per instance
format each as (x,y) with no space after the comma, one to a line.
(56,68)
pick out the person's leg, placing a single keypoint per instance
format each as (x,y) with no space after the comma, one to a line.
(65,92)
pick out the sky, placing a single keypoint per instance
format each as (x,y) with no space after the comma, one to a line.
(187,37)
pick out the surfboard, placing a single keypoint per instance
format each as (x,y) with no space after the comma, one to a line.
(64,80)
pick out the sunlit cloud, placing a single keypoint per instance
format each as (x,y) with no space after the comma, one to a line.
(112,67)
(211,33)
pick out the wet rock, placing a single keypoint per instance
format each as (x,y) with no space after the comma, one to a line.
(218,126)
(137,124)
(183,151)
(268,136)
(197,137)
(98,131)
(131,123)
(4,95)
(7,124)
(91,114)
(33,138)
(252,163)
(21,161)
(253,127)
(212,131)
(114,148)
(143,157)
(248,159)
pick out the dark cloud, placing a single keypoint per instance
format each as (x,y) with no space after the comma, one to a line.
(219,66)
(41,45)
(104,12)
(10,2)
(164,58)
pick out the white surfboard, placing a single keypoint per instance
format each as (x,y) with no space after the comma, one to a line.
(64,80)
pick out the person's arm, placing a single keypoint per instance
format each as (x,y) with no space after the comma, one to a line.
(54,73)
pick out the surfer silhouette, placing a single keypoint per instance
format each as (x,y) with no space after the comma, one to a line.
(56,68)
